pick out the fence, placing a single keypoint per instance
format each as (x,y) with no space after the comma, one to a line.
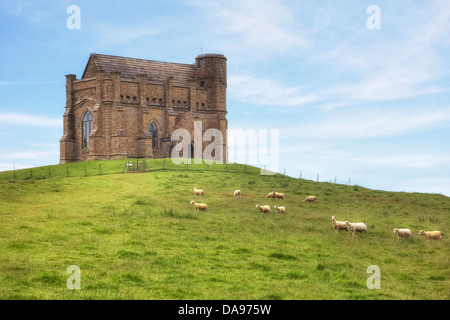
(132,166)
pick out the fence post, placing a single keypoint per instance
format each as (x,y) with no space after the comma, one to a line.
(67,171)
(85,172)
(144,165)
(49,172)
(100,170)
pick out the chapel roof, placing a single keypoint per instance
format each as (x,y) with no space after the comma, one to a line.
(131,67)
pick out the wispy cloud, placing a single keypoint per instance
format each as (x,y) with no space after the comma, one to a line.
(364,123)
(12,118)
(267,92)
(255,25)
(5,166)
(35,155)
(26,83)
(416,160)
(397,67)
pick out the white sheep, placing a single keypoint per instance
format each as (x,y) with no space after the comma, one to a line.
(270,195)
(199,206)
(310,199)
(237,194)
(432,234)
(198,192)
(263,209)
(280,209)
(338,225)
(279,195)
(402,233)
(356,227)
(274,194)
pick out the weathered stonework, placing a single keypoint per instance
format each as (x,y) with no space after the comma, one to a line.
(125,95)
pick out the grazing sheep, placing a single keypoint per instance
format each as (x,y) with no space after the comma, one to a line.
(279,195)
(310,199)
(356,227)
(270,195)
(274,194)
(199,206)
(263,209)
(280,209)
(402,233)
(237,194)
(339,225)
(432,234)
(198,192)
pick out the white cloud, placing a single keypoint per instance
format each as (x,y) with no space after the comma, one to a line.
(364,123)
(4,166)
(30,155)
(398,62)
(111,36)
(256,25)
(23,83)
(12,118)
(267,92)
(406,160)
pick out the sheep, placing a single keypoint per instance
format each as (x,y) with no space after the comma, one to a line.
(198,192)
(280,209)
(310,199)
(356,227)
(432,234)
(274,194)
(279,195)
(199,206)
(237,194)
(270,195)
(338,225)
(402,233)
(263,209)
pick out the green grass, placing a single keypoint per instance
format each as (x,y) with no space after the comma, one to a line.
(135,236)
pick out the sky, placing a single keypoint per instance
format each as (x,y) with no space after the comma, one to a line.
(355,95)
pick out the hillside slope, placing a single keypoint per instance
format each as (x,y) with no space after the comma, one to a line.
(135,236)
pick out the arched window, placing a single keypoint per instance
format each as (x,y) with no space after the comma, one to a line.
(86,129)
(154,134)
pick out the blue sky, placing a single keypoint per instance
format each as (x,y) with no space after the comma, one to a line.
(372,106)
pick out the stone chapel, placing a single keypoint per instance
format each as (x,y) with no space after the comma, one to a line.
(128,108)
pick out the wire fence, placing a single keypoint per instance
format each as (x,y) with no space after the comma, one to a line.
(130,166)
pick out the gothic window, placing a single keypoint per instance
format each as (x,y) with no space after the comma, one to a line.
(154,134)
(86,129)
(201,63)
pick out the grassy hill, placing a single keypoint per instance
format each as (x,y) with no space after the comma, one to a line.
(135,236)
